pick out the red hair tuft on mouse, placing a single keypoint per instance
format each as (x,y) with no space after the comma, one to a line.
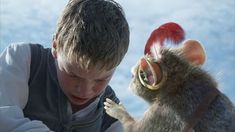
(168,31)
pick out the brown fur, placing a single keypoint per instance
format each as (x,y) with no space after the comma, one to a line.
(177,98)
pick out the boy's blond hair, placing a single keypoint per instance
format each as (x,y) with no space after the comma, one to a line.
(93,33)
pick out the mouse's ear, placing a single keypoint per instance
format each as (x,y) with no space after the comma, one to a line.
(194,52)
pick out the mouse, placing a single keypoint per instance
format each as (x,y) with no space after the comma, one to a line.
(182,96)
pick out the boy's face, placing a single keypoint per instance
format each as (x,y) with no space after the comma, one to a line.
(79,85)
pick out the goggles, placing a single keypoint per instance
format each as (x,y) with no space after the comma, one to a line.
(150,73)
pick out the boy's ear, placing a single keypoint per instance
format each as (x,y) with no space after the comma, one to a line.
(194,52)
(53,49)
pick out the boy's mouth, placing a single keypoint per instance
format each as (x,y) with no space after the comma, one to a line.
(78,98)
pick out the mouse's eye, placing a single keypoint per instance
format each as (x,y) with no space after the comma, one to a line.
(149,73)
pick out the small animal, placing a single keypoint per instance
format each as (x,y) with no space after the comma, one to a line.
(182,96)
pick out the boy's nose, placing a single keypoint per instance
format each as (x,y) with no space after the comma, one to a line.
(84,88)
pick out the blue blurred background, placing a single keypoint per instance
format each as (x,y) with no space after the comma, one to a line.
(210,21)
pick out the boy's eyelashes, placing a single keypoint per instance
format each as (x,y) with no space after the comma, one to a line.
(99,80)
(70,74)
(77,77)
(73,76)
(102,79)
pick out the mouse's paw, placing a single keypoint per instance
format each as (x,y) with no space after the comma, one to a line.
(113,109)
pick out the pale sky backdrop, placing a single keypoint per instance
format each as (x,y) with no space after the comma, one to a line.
(210,21)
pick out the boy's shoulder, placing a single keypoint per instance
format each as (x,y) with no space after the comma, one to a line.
(16,50)
(17,46)
(109,93)
(21,47)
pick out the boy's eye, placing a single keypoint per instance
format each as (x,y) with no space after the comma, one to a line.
(70,74)
(101,80)
(73,76)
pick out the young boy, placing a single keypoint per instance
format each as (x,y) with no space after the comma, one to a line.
(63,88)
